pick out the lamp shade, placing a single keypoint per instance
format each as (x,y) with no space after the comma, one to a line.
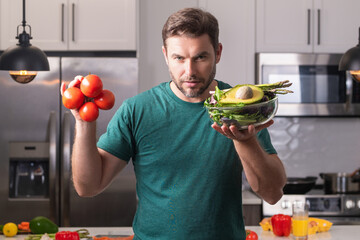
(350,61)
(21,57)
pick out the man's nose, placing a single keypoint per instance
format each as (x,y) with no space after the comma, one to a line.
(190,68)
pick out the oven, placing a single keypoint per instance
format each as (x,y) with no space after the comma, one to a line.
(340,209)
(319,89)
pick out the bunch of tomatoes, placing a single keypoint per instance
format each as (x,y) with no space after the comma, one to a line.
(88,97)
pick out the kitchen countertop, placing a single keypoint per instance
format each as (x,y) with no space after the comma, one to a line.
(338,232)
(250,198)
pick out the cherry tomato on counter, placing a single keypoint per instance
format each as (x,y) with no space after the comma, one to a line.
(251,235)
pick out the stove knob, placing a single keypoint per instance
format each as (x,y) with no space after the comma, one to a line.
(285,204)
(358,203)
(349,204)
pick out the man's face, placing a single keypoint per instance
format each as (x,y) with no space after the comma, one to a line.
(192,66)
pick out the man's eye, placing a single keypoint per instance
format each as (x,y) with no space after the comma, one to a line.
(179,58)
(201,57)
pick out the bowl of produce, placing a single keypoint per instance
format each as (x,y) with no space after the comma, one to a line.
(245,104)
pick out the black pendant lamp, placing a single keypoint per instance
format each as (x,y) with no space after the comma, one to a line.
(350,61)
(23,61)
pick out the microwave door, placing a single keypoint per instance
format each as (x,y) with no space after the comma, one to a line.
(319,89)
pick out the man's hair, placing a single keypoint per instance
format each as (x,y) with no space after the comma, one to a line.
(192,22)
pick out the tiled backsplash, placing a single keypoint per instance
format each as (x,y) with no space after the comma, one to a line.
(308,146)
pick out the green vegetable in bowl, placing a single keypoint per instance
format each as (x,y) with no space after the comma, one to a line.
(245,104)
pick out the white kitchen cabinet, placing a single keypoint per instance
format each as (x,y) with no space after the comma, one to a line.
(152,17)
(72,24)
(319,26)
(237,34)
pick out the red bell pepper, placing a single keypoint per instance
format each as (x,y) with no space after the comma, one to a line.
(67,235)
(281,224)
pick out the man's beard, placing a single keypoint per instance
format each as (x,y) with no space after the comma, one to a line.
(193,93)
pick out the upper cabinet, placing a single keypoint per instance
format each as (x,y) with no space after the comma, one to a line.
(320,26)
(72,24)
(237,35)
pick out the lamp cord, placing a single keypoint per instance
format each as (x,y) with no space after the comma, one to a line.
(24,21)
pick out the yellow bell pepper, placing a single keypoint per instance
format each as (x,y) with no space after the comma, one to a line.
(266,224)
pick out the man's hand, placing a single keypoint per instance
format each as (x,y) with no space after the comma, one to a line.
(234,133)
(74,83)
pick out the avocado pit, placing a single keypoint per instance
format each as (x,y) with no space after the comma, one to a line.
(244,92)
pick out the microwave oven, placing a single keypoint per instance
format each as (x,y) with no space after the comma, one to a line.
(319,89)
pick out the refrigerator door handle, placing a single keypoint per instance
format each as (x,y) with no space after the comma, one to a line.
(66,170)
(53,179)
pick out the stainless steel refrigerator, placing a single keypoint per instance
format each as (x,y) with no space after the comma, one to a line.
(36,137)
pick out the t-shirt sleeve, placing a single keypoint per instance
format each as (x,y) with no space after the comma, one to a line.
(265,141)
(118,139)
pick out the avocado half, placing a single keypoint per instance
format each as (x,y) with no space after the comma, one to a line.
(245,93)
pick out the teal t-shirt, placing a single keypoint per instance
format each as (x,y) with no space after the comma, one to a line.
(188,175)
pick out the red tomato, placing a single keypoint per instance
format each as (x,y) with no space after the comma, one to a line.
(91,85)
(89,112)
(105,100)
(73,98)
(250,235)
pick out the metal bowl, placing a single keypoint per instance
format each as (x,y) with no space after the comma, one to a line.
(243,116)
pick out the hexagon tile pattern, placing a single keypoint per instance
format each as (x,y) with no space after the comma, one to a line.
(308,146)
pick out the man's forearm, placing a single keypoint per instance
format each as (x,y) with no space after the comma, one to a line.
(265,173)
(86,160)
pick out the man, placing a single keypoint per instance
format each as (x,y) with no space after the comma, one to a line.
(188,175)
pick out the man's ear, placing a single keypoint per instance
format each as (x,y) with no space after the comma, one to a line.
(218,52)
(165,55)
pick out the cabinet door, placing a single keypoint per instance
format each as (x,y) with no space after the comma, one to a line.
(337,25)
(102,25)
(252,215)
(46,18)
(237,34)
(284,25)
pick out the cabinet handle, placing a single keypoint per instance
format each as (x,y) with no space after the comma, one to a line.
(73,22)
(308,25)
(62,21)
(319,26)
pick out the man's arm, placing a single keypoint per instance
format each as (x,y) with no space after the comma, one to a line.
(264,172)
(93,169)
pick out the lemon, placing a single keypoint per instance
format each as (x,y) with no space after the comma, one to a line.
(10,229)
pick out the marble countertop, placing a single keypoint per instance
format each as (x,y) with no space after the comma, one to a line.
(338,232)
